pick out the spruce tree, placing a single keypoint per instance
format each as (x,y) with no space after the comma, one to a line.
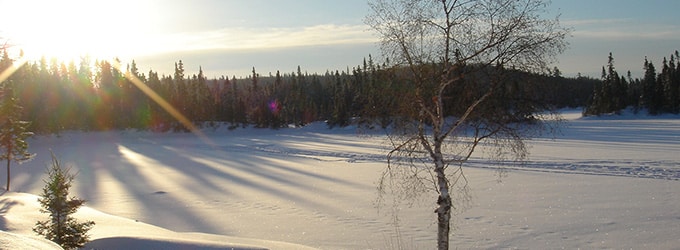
(105,109)
(649,91)
(671,85)
(61,227)
(611,95)
(13,131)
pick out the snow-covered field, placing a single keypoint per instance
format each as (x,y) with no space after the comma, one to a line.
(607,182)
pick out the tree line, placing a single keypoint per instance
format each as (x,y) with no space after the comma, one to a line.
(656,92)
(101,95)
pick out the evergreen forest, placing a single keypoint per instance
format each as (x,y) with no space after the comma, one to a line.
(103,95)
(657,93)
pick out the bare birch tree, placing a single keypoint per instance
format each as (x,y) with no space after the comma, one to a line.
(465,59)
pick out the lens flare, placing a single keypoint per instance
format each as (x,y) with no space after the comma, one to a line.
(166,106)
(11,69)
(274,107)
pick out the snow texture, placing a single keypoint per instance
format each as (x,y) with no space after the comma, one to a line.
(602,182)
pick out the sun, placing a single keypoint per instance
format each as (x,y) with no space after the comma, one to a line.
(67,30)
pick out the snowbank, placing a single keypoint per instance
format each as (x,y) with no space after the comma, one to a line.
(24,242)
(20,211)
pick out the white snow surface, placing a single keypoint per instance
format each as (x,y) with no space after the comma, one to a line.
(606,182)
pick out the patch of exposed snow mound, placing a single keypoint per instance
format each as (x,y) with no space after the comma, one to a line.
(20,212)
(21,242)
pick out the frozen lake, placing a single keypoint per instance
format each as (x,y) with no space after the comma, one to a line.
(608,182)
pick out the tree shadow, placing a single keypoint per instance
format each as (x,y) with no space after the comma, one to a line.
(132,243)
(179,182)
(5,206)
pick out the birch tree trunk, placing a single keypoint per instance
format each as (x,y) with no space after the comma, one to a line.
(444,201)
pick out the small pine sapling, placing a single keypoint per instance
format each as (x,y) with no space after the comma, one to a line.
(61,227)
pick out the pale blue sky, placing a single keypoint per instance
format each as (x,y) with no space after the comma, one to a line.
(630,29)
(229,37)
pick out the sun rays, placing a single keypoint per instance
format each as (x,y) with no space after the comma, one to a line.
(12,68)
